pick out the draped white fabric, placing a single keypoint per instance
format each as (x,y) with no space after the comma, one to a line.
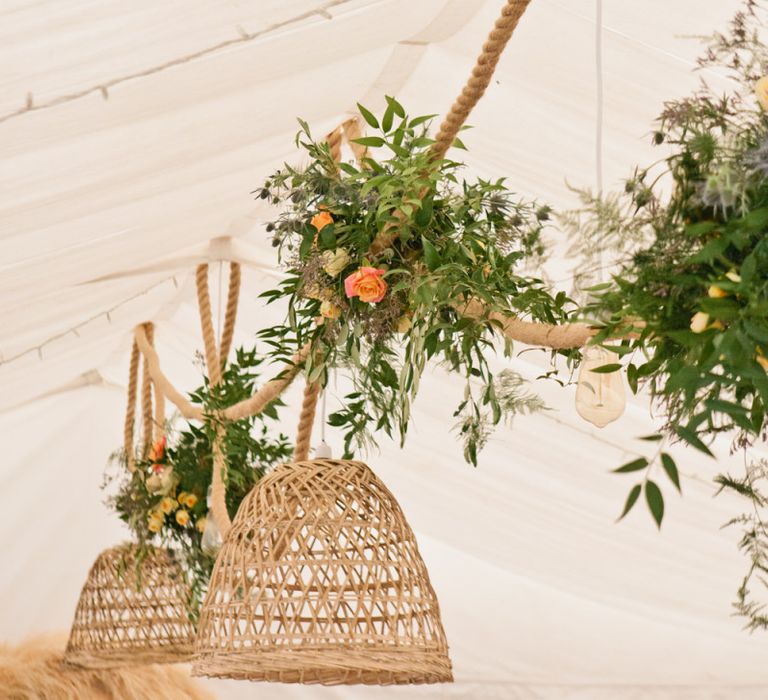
(109,197)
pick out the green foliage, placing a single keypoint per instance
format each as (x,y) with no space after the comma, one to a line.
(752,595)
(689,291)
(164,501)
(452,240)
(695,288)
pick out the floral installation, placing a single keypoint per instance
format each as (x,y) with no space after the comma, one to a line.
(688,297)
(385,311)
(164,501)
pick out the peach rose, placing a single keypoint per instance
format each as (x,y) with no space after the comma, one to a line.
(182,517)
(321,220)
(157,451)
(367,284)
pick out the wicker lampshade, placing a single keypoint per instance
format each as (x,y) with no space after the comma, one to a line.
(320,580)
(128,615)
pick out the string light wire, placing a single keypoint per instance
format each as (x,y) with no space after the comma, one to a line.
(74,330)
(243,37)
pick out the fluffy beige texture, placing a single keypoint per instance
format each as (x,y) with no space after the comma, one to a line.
(34,670)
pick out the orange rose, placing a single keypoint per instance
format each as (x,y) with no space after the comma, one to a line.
(319,221)
(367,284)
(157,451)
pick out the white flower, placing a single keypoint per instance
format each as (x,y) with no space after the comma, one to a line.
(335,262)
(699,322)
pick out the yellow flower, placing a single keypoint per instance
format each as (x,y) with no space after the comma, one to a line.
(200,524)
(190,500)
(156,520)
(699,322)
(404,323)
(182,517)
(761,92)
(733,276)
(167,505)
(762,360)
(329,310)
(336,261)
(321,220)
(715,292)
(314,292)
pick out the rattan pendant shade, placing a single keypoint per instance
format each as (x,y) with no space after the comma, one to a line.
(127,616)
(320,580)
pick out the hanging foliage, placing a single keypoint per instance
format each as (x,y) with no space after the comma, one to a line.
(389,308)
(692,285)
(164,500)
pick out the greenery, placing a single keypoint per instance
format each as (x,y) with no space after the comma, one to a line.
(164,500)
(753,542)
(689,296)
(387,313)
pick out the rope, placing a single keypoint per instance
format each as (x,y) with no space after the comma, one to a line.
(353,130)
(567,335)
(206,325)
(130,410)
(146,400)
(306,421)
(350,129)
(481,75)
(152,363)
(233,296)
(471,93)
(334,141)
(214,365)
(251,406)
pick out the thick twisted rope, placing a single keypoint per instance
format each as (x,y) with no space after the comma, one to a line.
(350,129)
(147,423)
(251,406)
(471,93)
(567,335)
(334,141)
(206,325)
(481,75)
(215,366)
(306,421)
(130,410)
(152,363)
(233,296)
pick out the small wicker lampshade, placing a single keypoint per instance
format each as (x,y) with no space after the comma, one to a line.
(320,580)
(129,616)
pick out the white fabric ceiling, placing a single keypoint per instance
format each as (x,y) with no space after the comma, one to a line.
(107,203)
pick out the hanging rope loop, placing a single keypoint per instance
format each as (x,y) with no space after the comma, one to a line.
(215,360)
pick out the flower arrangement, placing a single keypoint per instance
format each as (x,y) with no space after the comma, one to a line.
(693,291)
(385,309)
(164,500)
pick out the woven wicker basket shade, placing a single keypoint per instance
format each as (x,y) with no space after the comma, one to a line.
(320,580)
(127,616)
